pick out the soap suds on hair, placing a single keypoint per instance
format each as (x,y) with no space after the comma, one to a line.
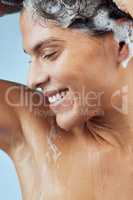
(123,31)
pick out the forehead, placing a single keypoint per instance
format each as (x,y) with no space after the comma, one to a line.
(35,31)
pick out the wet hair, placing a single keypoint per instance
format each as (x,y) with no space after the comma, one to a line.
(80,14)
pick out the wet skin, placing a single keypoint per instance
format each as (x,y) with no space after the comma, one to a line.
(81,151)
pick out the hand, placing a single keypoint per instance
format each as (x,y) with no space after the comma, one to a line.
(125,5)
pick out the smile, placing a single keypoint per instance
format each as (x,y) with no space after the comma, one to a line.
(56,97)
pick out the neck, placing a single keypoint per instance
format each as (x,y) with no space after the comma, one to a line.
(116,125)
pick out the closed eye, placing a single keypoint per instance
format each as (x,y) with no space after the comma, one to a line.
(51,56)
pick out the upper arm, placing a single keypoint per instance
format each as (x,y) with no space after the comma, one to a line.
(9,120)
(130,7)
(20,109)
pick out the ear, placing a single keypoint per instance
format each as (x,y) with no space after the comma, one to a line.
(123,51)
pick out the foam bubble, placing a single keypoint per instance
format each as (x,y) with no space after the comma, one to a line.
(123,31)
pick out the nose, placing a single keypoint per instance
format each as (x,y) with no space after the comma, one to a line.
(37,75)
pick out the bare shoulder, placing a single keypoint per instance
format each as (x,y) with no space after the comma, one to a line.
(22,112)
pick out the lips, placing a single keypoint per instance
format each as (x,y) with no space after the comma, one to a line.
(55,95)
(58,100)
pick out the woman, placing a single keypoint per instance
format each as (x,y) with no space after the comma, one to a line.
(74,140)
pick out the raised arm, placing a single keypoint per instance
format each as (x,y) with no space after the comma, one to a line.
(19,105)
(9,120)
(126,6)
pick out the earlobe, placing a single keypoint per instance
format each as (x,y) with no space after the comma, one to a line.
(123,51)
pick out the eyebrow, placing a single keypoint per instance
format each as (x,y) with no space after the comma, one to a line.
(44,44)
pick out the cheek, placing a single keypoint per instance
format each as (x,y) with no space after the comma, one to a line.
(83,68)
(69,68)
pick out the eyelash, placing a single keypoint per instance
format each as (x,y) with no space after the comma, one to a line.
(48,56)
(52,55)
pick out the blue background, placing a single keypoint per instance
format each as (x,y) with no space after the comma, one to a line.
(14,67)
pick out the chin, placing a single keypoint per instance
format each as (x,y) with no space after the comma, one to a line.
(73,118)
(67,122)
(70,119)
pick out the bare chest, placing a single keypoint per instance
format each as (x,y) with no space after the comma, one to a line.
(74,168)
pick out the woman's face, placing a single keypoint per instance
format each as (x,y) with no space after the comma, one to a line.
(82,66)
